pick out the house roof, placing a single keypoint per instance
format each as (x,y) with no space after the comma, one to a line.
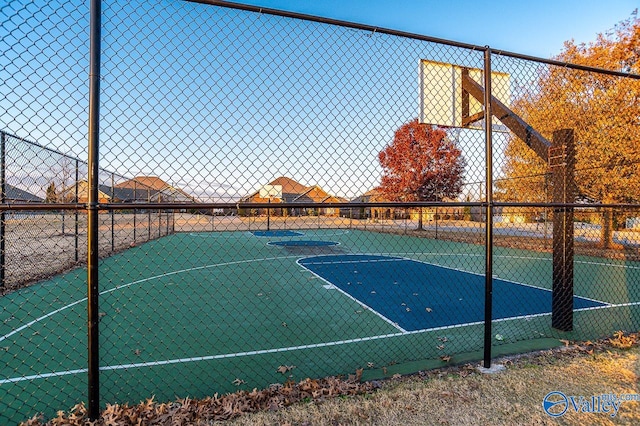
(295,192)
(315,194)
(69,193)
(124,194)
(151,182)
(289,185)
(156,188)
(371,195)
(13,193)
(132,193)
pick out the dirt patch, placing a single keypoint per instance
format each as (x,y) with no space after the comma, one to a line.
(39,246)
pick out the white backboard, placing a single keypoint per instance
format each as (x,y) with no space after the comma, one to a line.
(441,93)
(271,191)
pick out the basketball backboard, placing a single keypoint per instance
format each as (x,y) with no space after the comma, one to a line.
(442,101)
(271,191)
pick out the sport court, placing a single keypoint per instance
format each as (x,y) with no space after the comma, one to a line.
(222,311)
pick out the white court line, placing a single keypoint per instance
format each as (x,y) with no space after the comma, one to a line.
(277,350)
(440,266)
(29,324)
(606,304)
(495,256)
(284,244)
(298,233)
(505,280)
(168,274)
(219,235)
(342,262)
(234,355)
(321,233)
(43,376)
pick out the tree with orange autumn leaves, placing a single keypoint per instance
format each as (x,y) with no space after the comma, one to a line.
(421,164)
(603,111)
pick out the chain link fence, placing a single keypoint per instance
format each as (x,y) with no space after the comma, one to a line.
(283,197)
(42,241)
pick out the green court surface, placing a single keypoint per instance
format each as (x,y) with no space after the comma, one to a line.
(198,313)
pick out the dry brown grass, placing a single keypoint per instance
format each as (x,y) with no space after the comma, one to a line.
(463,396)
(40,246)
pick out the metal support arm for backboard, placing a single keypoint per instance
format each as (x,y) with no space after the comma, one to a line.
(560,156)
(510,119)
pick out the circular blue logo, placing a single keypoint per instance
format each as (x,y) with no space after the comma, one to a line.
(555,404)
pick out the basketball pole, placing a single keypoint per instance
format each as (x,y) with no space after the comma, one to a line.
(562,166)
(560,156)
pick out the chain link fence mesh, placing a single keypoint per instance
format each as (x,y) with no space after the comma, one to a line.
(248,235)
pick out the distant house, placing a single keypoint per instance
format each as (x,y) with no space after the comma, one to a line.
(17,195)
(106,194)
(123,195)
(356,211)
(156,190)
(130,191)
(429,214)
(505,215)
(295,192)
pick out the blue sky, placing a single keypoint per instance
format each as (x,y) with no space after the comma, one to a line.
(219,101)
(537,28)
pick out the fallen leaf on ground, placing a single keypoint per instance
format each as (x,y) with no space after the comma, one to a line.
(284,368)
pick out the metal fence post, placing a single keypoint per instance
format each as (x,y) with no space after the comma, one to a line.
(488,277)
(3,189)
(77,230)
(112,213)
(135,200)
(92,211)
(148,215)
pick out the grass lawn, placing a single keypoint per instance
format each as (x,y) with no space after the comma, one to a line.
(464,396)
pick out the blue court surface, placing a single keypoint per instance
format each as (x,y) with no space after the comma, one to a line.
(414,295)
(277,233)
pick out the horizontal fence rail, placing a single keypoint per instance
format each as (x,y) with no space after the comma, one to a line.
(282,196)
